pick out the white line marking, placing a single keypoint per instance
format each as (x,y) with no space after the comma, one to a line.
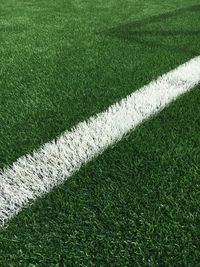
(33,175)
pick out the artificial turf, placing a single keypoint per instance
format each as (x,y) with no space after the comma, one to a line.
(63,61)
(135,205)
(138,203)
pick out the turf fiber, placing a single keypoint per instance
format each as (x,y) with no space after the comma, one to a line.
(63,61)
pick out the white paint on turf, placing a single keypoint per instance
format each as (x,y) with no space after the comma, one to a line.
(33,175)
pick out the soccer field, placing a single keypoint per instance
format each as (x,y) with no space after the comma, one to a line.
(134,198)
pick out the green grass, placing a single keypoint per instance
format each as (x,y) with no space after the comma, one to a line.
(138,203)
(63,62)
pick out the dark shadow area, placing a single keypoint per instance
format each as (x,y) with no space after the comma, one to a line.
(164,33)
(157,18)
(136,32)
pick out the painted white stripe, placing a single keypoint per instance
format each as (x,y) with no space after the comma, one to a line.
(33,175)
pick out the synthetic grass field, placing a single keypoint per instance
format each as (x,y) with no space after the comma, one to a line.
(138,203)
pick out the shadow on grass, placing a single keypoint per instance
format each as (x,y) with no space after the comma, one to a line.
(136,32)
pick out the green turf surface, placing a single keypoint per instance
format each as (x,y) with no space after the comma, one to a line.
(135,205)
(63,61)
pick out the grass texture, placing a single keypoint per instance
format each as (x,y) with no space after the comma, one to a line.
(64,61)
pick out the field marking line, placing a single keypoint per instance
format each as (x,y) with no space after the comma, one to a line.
(32,176)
